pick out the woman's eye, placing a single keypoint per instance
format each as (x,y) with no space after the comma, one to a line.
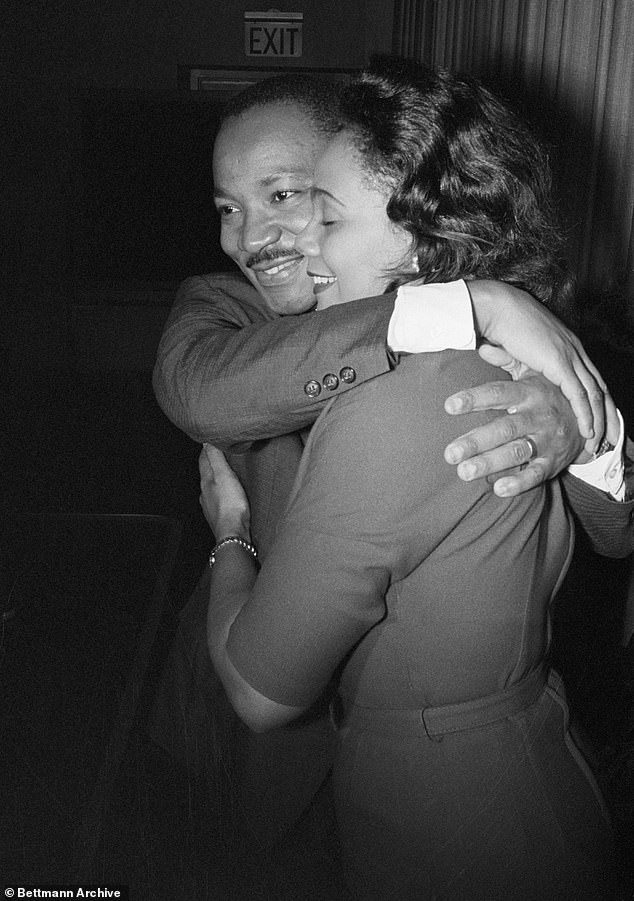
(226,209)
(281,196)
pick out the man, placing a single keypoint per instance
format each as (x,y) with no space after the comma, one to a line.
(239,368)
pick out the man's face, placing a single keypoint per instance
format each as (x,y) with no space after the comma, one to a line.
(263,174)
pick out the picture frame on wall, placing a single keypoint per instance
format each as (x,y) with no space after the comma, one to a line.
(222,83)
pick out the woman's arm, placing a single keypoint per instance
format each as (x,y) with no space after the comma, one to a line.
(233,576)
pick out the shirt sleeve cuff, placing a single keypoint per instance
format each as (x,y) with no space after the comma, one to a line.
(429,318)
(606,472)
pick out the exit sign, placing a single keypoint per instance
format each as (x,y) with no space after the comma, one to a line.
(273,34)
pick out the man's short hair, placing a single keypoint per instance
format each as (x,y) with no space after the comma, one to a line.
(319,99)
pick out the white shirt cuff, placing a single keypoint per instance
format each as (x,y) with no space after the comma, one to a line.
(430,318)
(606,472)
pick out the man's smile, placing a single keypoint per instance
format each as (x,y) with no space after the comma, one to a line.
(274,269)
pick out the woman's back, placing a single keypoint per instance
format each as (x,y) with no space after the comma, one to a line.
(441,586)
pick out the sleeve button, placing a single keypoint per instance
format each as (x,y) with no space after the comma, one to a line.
(348,374)
(312,388)
(331,382)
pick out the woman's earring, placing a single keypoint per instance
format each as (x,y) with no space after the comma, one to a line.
(415,266)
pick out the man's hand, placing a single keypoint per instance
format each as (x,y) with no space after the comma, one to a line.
(536,409)
(511,319)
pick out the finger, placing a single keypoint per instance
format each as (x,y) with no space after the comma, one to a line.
(612,424)
(493,477)
(523,480)
(497,356)
(584,390)
(516,453)
(487,437)
(219,468)
(610,431)
(596,391)
(204,466)
(214,455)
(587,362)
(491,396)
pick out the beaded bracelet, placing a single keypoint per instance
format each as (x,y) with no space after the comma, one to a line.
(233,539)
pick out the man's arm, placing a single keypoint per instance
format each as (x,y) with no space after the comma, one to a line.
(228,374)
(608,523)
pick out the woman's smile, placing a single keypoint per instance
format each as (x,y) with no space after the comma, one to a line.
(353,247)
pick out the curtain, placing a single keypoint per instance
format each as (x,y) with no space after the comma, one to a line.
(570,66)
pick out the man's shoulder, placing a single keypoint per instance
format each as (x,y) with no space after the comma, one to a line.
(224,289)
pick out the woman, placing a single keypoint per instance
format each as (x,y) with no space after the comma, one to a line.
(455,777)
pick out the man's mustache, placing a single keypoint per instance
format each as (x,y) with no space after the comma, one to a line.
(270,256)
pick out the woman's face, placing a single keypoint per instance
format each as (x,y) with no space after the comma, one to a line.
(350,242)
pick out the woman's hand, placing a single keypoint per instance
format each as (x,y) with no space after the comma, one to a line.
(222,497)
(612,431)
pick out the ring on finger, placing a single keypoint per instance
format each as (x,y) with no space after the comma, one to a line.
(532,447)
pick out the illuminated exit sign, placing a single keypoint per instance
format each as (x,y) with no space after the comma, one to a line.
(273,34)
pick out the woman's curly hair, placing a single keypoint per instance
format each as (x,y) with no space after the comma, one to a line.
(466,177)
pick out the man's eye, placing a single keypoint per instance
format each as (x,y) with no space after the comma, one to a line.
(281,196)
(226,209)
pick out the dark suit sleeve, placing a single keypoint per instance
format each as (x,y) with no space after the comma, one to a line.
(608,523)
(229,374)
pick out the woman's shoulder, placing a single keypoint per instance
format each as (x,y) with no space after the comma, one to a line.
(464,368)
(422,379)
(406,405)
